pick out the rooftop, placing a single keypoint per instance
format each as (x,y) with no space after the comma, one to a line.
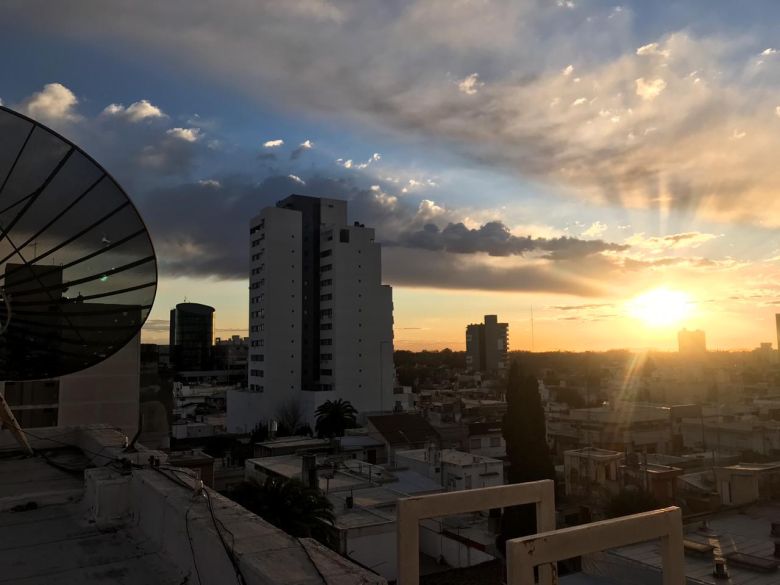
(451,456)
(403,429)
(747,532)
(77,515)
(595,453)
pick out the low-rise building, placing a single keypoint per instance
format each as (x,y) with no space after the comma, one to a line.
(454,470)
(747,483)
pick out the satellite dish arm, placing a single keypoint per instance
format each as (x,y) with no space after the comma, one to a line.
(9,420)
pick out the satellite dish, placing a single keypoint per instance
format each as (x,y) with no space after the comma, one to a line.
(78,273)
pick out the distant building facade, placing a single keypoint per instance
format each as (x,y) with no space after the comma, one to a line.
(191,336)
(691,342)
(487,345)
(320,319)
(777,327)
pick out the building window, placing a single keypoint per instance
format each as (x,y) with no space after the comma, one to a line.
(326,372)
(344,236)
(257,373)
(326,356)
(326,313)
(326,326)
(326,282)
(326,253)
(475,443)
(326,267)
(257,357)
(326,342)
(495,441)
(326,297)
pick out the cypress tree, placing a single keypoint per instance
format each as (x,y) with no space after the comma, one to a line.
(526,448)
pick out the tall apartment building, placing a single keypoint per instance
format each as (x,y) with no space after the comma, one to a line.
(320,320)
(691,343)
(487,345)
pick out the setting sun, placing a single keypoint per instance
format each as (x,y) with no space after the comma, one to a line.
(661,307)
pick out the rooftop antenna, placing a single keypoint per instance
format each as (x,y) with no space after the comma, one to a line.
(62,317)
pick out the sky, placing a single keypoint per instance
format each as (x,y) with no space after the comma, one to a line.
(598,174)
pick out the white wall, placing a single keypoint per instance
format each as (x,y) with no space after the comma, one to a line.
(275,317)
(361,339)
(107,393)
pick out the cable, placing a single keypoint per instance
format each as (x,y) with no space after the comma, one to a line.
(124,461)
(231,557)
(64,444)
(239,576)
(192,549)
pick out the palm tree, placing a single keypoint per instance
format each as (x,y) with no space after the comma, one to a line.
(334,417)
(288,504)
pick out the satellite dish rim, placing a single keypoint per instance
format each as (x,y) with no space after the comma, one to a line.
(117,347)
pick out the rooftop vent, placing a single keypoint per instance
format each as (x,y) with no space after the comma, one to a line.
(720,571)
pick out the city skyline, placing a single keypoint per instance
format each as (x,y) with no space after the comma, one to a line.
(607,167)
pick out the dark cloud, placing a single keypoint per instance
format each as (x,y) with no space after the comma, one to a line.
(436,269)
(495,239)
(202,230)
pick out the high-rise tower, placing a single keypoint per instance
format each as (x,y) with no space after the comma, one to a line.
(320,320)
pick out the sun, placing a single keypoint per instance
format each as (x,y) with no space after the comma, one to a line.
(661,307)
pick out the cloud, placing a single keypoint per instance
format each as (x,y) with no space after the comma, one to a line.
(54,103)
(214,184)
(568,70)
(649,90)
(273,143)
(397,81)
(185,134)
(433,269)
(670,242)
(595,230)
(495,239)
(135,112)
(301,148)
(349,164)
(470,84)
(652,49)
(297,179)
(769,51)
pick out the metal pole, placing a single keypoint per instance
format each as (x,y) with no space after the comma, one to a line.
(9,420)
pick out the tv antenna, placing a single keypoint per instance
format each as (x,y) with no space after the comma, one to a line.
(61,317)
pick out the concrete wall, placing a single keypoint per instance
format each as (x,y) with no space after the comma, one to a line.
(107,393)
(455,554)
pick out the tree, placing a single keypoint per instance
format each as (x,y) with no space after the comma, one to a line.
(526,448)
(288,504)
(334,417)
(289,418)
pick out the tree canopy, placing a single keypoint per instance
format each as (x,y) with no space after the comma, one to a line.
(288,504)
(526,447)
(334,417)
